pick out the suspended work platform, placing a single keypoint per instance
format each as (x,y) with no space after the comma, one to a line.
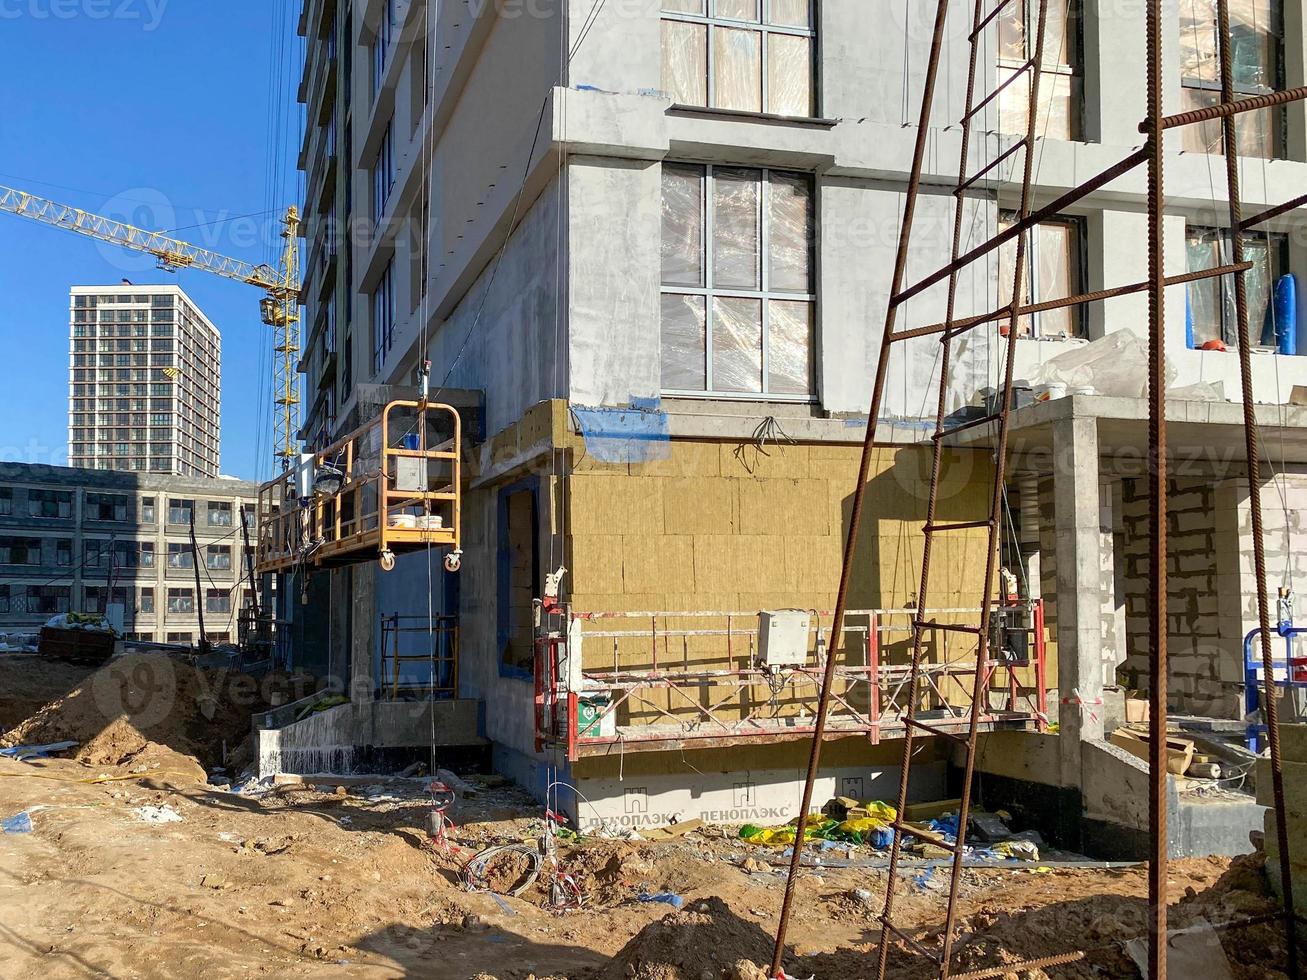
(390,487)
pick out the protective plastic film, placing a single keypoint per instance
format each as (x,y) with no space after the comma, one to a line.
(789,349)
(737,344)
(789,75)
(683,343)
(790,233)
(790,13)
(685,62)
(682,244)
(736,236)
(737,69)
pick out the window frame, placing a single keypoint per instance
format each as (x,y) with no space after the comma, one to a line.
(765,295)
(1278,123)
(383,317)
(1079,275)
(1071,67)
(1276,242)
(710,21)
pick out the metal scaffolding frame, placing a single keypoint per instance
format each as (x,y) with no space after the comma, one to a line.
(1153,127)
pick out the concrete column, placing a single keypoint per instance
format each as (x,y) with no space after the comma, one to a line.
(363,627)
(1079,605)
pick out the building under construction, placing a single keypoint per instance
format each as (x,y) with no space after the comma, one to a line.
(647,251)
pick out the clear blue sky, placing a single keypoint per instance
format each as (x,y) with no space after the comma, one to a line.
(168,113)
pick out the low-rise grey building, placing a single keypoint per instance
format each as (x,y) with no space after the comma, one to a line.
(79,540)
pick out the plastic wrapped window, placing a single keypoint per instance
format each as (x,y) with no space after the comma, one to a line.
(790,13)
(684,6)
(789,75)
(1056,263)
(735,228)
(738,9)
(1007,270)
(1057,113)
(737,344)
(1255,132)
(682,244)
(1203,250)
(790,233)
(1016,25)
(685,62)
(683,350)
(737,69)
(789,348)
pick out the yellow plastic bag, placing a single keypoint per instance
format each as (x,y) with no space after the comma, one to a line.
(880,810)
(862,825)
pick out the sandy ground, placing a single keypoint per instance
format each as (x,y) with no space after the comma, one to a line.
(299,881)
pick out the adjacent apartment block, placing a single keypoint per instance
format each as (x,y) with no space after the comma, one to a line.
(144,382)
(658,238)
(77,540)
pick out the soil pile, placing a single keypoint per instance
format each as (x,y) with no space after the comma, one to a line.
(1102,924)
(144,700)
(704,939)
(27,683)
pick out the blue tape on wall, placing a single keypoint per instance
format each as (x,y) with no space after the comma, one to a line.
(638,434)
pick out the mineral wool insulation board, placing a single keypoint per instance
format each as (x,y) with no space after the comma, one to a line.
(764,797)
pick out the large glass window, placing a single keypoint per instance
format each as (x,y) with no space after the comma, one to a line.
(180,555)
(1211,307)
(1257,54)
(49,503)
(1054,268)
(750,55)
(1061,96)
(20,551)
(181,601)
(383,317)
(180,511)
(737,270)
(383,174)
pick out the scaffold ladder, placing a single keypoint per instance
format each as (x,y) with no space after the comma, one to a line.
(994,414)
(1153,127)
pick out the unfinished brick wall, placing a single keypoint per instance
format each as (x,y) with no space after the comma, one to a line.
(1194,641)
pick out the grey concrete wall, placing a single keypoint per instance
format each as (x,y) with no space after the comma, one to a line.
(334,740)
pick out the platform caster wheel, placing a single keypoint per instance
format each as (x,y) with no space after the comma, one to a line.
(387,561)
(453,561)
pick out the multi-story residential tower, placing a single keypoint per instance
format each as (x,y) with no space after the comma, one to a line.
(145,381)
(76,540)
(659,236)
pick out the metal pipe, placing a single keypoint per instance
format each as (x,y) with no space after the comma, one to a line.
(981,682)
(1254,457)
(1097,182)
(1229,107)
(864,469)
(966,323)
(1157,486)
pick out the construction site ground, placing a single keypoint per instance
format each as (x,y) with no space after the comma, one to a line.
(139,867)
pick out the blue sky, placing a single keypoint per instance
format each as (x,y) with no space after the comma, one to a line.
(172,114)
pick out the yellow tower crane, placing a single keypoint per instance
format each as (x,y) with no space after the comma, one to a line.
(279,308)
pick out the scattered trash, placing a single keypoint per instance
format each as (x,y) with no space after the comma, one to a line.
(503,904)
(862,896)
(19,824)
(666,898)
(24,753)
(157,814)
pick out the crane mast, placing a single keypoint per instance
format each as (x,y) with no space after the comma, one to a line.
(279,308)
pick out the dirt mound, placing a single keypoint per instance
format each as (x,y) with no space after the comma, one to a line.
(1005,933)
(705,938)
(140,700)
